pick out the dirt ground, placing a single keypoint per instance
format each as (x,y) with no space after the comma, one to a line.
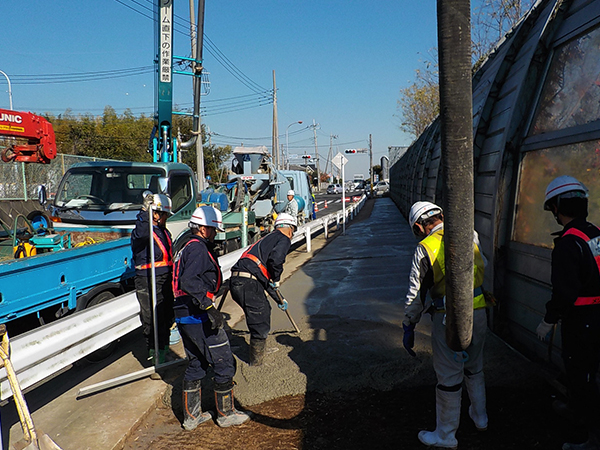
(348,384)
(380,403)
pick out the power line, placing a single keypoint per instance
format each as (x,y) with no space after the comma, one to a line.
(210,46)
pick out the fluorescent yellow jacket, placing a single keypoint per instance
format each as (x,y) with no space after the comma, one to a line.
(434,246)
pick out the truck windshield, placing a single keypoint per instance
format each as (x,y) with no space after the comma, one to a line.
(106,188)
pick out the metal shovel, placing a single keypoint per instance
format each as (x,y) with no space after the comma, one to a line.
(35,442)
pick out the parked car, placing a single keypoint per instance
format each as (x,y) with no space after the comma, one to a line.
(382,188)
(334,189)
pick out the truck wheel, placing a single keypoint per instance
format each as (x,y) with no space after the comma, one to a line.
(108,349)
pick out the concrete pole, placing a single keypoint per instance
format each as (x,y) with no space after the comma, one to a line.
(371,162)
(275,144)
(456,113)
(317,156)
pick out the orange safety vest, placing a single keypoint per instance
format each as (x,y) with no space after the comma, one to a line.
(167,258)
(258,262)
(594,245)
(179,293)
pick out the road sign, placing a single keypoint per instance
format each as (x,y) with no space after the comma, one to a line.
(338,160)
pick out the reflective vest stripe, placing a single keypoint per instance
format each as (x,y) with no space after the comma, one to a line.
(592,243)
(167,260)
(585,301)
(258,262)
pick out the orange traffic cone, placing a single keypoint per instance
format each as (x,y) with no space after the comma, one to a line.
(325,204)
(316,208)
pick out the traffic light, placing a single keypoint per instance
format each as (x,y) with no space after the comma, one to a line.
(351,150)
(305,156)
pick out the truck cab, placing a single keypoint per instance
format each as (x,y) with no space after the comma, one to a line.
(110,195)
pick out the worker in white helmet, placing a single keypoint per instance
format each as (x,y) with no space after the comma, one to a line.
(160,204)
(291,207)
(258,270)
(575,302)
(427,277)
(197,278)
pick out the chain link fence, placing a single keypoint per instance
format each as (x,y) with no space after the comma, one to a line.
(19,181)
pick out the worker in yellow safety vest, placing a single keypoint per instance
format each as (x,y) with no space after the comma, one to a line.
(427,275)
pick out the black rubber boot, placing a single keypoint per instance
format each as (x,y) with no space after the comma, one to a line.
(257,351)
(227,415)
(192,408)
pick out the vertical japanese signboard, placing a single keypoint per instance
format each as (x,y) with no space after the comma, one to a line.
(166,36)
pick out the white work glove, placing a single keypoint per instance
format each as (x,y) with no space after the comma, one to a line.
(543,330)
(148,201)
(274,284)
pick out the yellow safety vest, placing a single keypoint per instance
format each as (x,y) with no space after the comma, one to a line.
(434,246)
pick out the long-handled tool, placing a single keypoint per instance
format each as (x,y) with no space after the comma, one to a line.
(36,442)
(280,301)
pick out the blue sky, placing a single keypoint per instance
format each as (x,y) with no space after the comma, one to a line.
(339,62)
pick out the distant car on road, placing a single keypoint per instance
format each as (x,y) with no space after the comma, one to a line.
(334,189)
(382,188)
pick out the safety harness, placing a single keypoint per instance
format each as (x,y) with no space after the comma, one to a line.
(166,259)
(594,245)
(256,260)
(178,292)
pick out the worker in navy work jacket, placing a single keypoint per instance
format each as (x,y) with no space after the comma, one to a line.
(258,270)
(163,262)
(197,278)
(575,302)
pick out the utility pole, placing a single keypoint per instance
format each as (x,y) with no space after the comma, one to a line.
(331,138)
(371,162)
(275,143)
(314,127)
(197,36)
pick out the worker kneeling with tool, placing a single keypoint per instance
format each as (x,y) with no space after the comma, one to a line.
(575,302)
(427,275)
(159,206)
(258,270)
(197,278)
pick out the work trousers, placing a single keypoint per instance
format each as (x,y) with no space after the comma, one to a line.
(164,307)
(250,295)
(581,356)
(206,347)
(449,365)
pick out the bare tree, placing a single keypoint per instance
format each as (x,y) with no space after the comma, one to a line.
(492,20)
(418,104)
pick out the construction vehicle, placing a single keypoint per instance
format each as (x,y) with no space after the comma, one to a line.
(24,126)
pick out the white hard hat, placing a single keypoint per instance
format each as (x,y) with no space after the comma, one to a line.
(162,202)
(208,216)
(564,186)
(286,219)
(422,210)
(291,192)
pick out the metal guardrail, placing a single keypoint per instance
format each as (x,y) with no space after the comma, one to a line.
(50,349)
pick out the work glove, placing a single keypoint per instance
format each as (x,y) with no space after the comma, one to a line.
(283,305)
(148,200)
(274,284)
(409,338)
(215,317)
(543,330)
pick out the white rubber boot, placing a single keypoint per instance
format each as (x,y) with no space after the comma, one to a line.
(476,390)
(447,407)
